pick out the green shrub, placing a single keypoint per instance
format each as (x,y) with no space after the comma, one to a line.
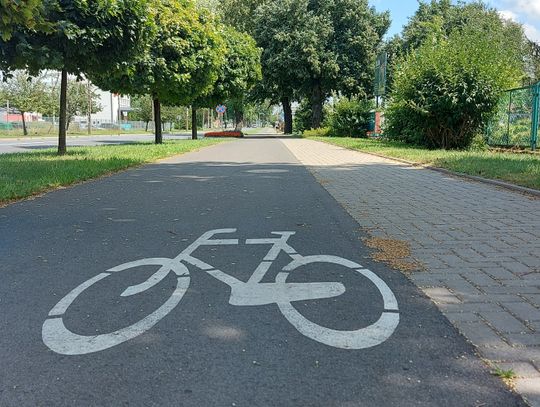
(322,132)
(479,143)
(350,117)
(446,92)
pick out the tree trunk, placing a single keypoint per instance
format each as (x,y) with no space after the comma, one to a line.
(25,130)
(157,121)
(147,126)
(316,105)
(193,123)
(287,111)
(62,149)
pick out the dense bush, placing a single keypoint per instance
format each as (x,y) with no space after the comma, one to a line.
(445,92)
(320,132)
(349,117)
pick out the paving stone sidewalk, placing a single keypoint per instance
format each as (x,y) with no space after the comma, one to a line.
(479,245)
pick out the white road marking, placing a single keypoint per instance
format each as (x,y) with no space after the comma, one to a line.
(363,338)
(280,292)
(61,308)
(61,340)
(252,293)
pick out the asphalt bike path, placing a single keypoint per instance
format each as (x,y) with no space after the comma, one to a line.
(224,277)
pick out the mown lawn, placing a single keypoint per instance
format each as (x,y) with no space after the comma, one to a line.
(520,169)
(29,173)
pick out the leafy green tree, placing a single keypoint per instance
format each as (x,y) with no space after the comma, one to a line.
(87,38)
(25,93)
(438,15)
(170,114)
(142,106)
(315,48)
(532,62)
(446,91)
(238,74)
(288,35)
(180,64)
(82,100)
(26,13)
(439,18)
(240,13)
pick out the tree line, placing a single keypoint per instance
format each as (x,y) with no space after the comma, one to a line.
(176,51)
(446,70)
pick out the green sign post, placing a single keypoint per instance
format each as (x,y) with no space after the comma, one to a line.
(535,115)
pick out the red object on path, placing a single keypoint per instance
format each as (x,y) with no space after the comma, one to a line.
(224,134)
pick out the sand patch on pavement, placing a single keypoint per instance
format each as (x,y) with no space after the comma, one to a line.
(395,253)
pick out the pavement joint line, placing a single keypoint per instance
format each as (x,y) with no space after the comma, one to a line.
(376,191)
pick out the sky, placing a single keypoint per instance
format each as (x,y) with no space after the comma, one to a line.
(526,12)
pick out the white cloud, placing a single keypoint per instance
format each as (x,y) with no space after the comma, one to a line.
(532,32)
(529,8)
(517,13)
(508,15)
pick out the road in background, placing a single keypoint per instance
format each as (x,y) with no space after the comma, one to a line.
(12,145)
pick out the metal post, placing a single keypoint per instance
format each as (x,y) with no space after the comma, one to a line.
(509,118)
(535,115)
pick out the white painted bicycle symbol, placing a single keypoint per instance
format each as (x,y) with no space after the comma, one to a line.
(251,293)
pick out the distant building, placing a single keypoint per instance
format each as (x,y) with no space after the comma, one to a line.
(114,109)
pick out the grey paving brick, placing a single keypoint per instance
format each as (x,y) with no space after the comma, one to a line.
(492,298)
(507,353)
(516,267)
(499,273)
(462,317)
(503,322)
(530,390)
(480,334)
(534,299)
(470,307)
(461,286)
(510,289)
(526,339)
(441,295)
(524,311)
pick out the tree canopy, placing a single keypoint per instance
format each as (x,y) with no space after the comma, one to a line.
(238,74)
(181,62)
(26,94)
(314,48)
(26,13)
(240,71)
(85,38)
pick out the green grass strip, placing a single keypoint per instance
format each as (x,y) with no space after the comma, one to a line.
(519,169)
(30,173)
